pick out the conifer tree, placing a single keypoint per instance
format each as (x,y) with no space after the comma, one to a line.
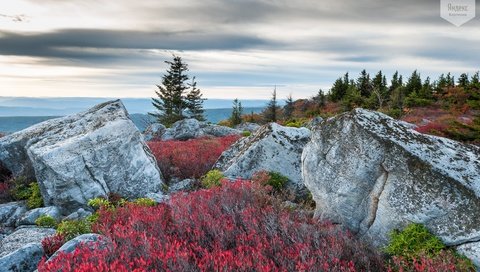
(194,102)
(172,100)
(237,110)
(271,112)
(288,108)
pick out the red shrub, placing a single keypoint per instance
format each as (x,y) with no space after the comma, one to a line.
(446,261)
(230,228)
(52,243)
(189,159)
(433,128)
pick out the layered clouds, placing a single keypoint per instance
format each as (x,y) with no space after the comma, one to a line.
(235,48)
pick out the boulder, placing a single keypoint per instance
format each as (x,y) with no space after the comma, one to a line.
(21,237)
(192,128)
(314,122)
(24,259)
(183,185)
(11,212)
(83,156)
(29,217)
(79,214)
(154,132)
(92,240)
(374,174)
(158,198)
(271,148)
(251,127)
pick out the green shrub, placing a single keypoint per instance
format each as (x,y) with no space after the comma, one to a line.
(212,179)
(246,133)
(46,221)
(146,202)
(99,202)
(35,199)
(21,189)
(277,180)
(73,228)
(413,241)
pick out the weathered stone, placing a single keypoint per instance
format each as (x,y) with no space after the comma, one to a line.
(271,148)
(21,237)
(314,122)
(79,214)
(154,132)
(159,198)
(29,217)
(192,128)
(83,156)
(250,127)
(11,212)
(374,174)
(92,240)
(24,259)
(184,185)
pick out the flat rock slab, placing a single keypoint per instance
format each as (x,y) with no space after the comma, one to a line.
(21,237)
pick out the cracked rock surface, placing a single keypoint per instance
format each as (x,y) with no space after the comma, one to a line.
(374,174)
(83,156)
(271,148)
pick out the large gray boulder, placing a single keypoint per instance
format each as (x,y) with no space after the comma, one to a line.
(83,156)
(21,237)
(92,240)
(272,148)
(24,259)
(250,127)
(374,174)
(192,128)
(154,132)
(11,212)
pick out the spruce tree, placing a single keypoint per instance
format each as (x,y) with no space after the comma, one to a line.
(288,108)
(172,100)
(463,80)
(237,110)
(194,102)
(271,112)
(364,84)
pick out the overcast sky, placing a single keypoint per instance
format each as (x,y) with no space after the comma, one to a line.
(237,48)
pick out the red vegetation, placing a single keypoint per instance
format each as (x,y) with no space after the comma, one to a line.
(52,243)
(235,227)
(433,128)
(446,261)
(189,159)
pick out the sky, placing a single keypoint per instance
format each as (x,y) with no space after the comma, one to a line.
(236,49)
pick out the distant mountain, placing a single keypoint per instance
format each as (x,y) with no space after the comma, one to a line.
(28,106)
(10,124)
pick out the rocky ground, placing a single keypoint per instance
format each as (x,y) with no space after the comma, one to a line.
(365,171)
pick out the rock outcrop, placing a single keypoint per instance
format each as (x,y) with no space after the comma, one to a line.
(83,156)
(92,240)
(192,128)
(374,174)
(251,127)
(22,237)
(11,212)
(271,148)
(154,132)
(24,259)
(29,217)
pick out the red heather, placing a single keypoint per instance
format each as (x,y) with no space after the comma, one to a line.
(189,159)
(235,227)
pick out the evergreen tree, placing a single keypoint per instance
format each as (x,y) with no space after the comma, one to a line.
(397,81)
(172,100)
(364,85)
(237,110)
(414,83)
(194,102)
(271,112)
(475,81)
(379,90)
(288,108)
(463,80)
(339,88)
(320,99)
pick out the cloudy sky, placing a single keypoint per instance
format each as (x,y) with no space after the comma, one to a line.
(92,48)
